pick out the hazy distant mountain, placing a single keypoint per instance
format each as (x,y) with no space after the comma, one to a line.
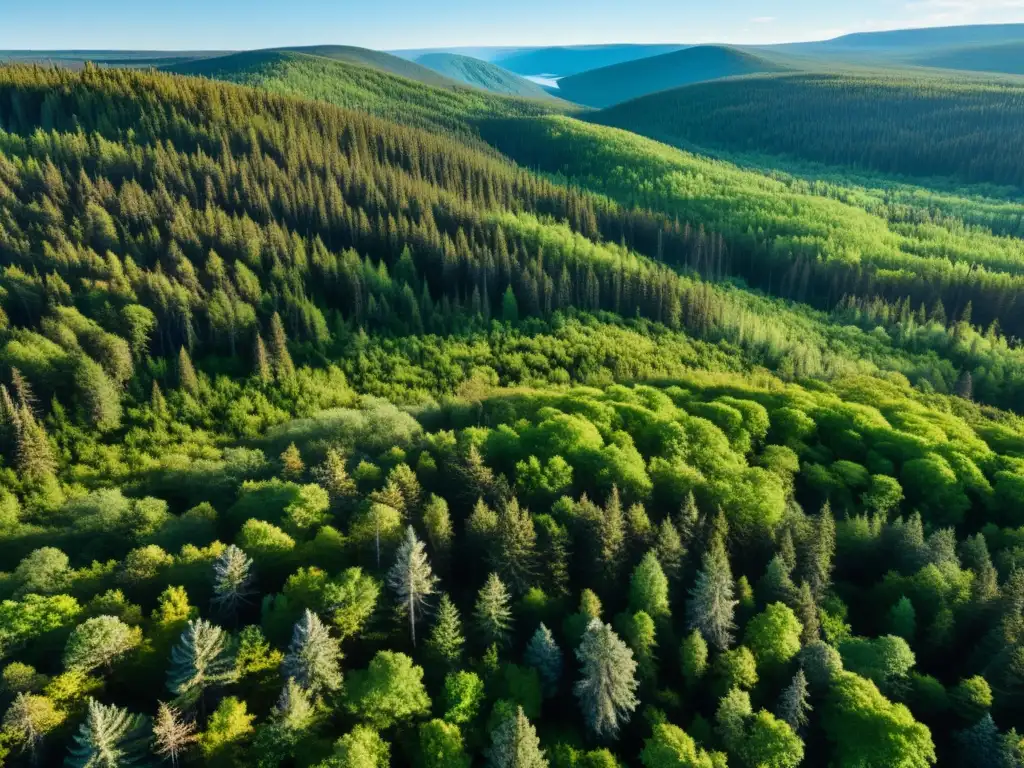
(621,82)
(570,60)
(482,74)
(1007,58)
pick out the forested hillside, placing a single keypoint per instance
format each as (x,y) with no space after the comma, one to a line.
(621,82)
(332,435)
(966,130)
(1004,57)
(482,74)
(563,61)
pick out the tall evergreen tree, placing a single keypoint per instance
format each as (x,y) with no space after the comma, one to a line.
(807,612)
(29,719)
(334,478)
(110,737)
(201,659)
(446,640)
(411,579)
(280,358)
(187,378)
(544,655)
(313,657)
(514,744)
(493,613)
(607,686)
(261,360)
(711,607)
(794,702)
(668,548)
(820,553)
(515,550)
(232,580)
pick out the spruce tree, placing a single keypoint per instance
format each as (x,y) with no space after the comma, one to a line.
(446,640)
(776,586)
(668,548)
(493,614)
(313,657)
(187,378)
(711,607)
(544,655)
(280,358)
(688,520)
(110,737)
(28,719)
(202,658)
(648,589)
(514,744)
(411,579)
(172,735)
(515,547)
(292,465)
(807,613)
(232,580)
(293,710)
(261,360)
(794,702)
(607,686)
(821,552)
(693,657)
(334,478)
(34,457)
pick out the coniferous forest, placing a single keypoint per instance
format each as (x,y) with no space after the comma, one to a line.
(351,420)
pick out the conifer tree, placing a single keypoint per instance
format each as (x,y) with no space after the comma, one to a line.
(985,587)
(172,735)
(776,586)
(807,612)
(693,657)
(110,737)
(411,579)
(261,360)
(688,520)
(280,358)
(334,478)
(29,718)
(98,642)
(514,744)
(293,710)
(544,655)
(202,658)
(313,657)
(493,614)
(187,378)
(157,401)
(33,453)
(232,580)
(446,640)
(787,550)
(711,607)
(292,465)
(437,521)
(515,549)
(820,554)
(607,686)
(794,702)
(668,548)
(648,589)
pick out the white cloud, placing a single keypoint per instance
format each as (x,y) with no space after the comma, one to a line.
(762,20)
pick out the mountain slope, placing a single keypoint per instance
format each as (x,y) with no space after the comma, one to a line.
(621,82)
(354,86)
(1007,58)
(482,74)
(569,60)
(384,62)
(968,130)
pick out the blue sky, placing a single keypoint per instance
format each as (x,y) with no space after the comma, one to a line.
(390,24)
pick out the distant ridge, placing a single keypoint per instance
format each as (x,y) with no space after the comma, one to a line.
(385,62)
(570,60)
(1006,58)
(482,74)
(622,82)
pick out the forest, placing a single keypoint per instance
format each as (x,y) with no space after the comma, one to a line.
(348,421)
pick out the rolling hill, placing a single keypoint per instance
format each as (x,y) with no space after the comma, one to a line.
(75,59)
(482,74)
(621,82)
(570,60)
(351,83)
(905,45)
(1006,58)
(384,62)
(966,130)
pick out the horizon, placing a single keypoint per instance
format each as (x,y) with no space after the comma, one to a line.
(400,25)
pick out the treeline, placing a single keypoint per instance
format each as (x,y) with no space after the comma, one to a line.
(921,127)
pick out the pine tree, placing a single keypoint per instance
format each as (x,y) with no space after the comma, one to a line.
(794,703)
(293,710)
(612,538)
(787,550)
(110,737)
(412,579)
(33,454)
(776,586)
(693,657)
(711,607)
(172,735)
(544,655)
(821,552)
(280,358)
(493,614)
(648,589)
(187,378)
(201,659)
(514,744)
(608,684)
(232,580)
(313,656)
(688,520)
(261,360)
(807,612)
(985,587)
(333,477)
(515,550)
(668,548)
(446,640)
(29,718)
(157,401)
